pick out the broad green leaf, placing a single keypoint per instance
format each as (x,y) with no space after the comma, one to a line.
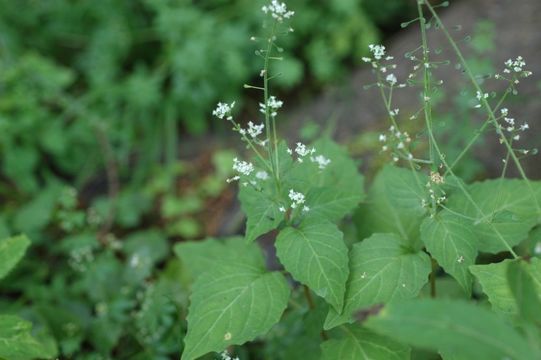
(524,291)
(359,343)
(493,280)
(231,304)
(334,191)
(452,327)
(201,256)
(261,209)
(505,212)
(394,204)
(316,255)
(382,270)
(298,334)
(452,242)
(11,251)
(331,203)
(17,343)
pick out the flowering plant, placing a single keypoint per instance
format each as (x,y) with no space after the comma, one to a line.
(416,222)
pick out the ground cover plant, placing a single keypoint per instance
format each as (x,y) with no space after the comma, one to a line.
(420,262)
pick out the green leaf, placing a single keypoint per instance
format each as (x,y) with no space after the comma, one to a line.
(382,270)
(315,254)
(493,279)
(17,343)
(394,204)
(452,327)
(330,203)
(360,343)
(334,191)
(261,209)
(508,212)
(524,291)
(451,241)
(11,251)
(202,256)
(233,303)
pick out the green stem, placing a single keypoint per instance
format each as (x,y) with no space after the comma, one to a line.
(269,128)
(484,102)
(473,140)
(450,171)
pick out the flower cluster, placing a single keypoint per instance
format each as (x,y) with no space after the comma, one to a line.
(391,79)
(436,178)
(272,105)
(378,51)
(253,130)
(224,110)
(479,96)
(436,195)
(243,168)
(302,151)
(378,54)
(321,161)
(510,126)
(278,10)
(397,142)
(297,200)
(514,68)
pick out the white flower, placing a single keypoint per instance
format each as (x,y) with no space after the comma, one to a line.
(302,150)
(243,167)
(391,79)
(297,198)
(321,161)
(273,104)
(480,95)
(377,50)
(278,10)
(262,175)
(510,121)
(255,130)
(223,109)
